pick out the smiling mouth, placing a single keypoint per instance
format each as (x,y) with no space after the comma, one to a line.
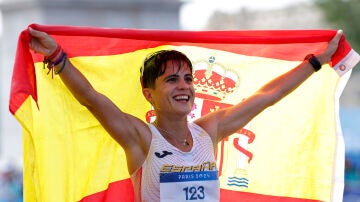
(182,98)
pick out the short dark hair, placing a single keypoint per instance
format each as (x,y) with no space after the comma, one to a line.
(154,65)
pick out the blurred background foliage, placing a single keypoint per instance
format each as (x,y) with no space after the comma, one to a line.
(344,14)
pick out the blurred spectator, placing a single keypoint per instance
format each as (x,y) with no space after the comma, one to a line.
(352,178)
(11,186)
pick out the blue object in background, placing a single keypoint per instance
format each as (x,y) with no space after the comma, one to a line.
(350,122)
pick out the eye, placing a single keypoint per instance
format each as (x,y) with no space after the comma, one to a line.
(171,79)
(189,79)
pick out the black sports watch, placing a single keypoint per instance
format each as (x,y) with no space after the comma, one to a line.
(314,61)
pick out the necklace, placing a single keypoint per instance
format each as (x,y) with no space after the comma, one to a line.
(183,142)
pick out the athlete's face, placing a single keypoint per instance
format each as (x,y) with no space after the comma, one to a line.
(174,90)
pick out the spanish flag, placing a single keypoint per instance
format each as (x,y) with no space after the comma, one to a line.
(291,152)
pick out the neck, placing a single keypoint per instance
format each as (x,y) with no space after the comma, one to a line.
(174,125)
(178,133)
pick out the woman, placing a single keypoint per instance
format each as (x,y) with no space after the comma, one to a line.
(171,156)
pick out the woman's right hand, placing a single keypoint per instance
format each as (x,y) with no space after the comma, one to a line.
(42,43)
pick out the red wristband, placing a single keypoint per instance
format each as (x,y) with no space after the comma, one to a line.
(55,53)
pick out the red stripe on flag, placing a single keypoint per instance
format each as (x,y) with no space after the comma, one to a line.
(117,191)
(225,37)
(23,81)
(232,196)
(105,41)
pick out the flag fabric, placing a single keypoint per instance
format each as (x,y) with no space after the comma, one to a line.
(293,151)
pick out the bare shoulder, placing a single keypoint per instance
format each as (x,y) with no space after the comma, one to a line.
(138,144)
(139,131)
(210,123)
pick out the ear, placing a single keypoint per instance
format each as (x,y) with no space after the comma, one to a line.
(147,94)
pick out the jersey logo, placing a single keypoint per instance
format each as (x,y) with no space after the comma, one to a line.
(164,153)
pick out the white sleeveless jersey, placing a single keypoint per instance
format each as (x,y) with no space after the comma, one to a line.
(174,175)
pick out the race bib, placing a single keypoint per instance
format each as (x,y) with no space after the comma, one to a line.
(189,186)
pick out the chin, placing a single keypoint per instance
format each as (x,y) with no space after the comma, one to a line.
(185,111)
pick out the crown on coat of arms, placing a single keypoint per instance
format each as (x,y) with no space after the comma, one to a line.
(213,81)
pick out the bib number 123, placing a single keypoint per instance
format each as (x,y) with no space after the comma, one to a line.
(194,193)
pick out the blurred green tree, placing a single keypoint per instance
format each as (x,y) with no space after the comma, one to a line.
(344,14)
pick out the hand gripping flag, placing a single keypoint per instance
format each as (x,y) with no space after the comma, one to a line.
(293,151)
